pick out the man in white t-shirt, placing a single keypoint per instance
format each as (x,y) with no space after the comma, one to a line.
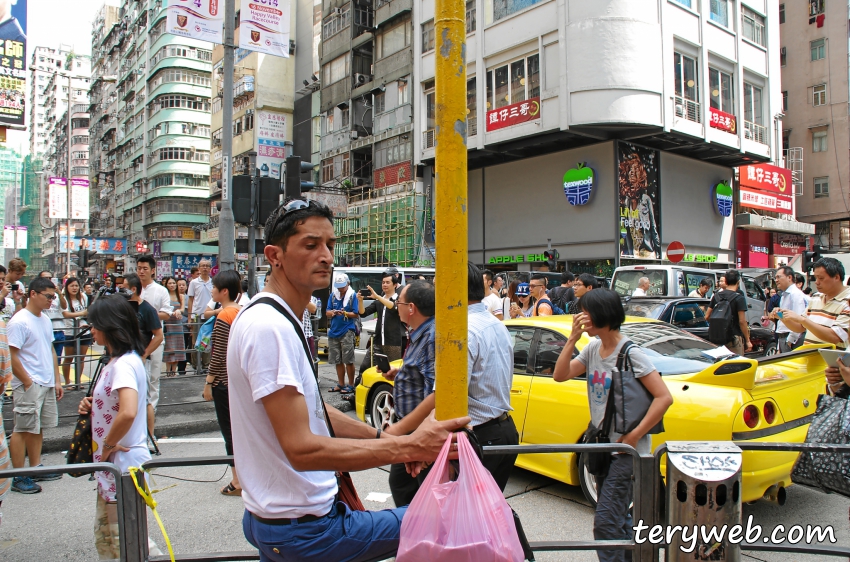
(492,300)
(36,385)
(642,287)
(157,296)
(281,441)
(200,293)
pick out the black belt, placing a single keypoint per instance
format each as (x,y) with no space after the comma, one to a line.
(501,418)
(292,521)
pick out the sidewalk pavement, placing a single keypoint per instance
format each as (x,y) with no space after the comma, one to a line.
(181,411)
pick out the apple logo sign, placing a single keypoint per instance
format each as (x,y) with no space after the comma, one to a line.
(722,199)
(578,184)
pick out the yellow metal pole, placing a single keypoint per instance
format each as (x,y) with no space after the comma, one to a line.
(451,210)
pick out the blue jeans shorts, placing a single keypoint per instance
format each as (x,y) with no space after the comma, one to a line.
(340,536)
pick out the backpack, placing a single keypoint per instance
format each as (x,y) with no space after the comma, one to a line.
(558,297)
(555,309)
(723,318)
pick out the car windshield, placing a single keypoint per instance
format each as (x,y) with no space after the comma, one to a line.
(644,309)
(626,281)
(672,351)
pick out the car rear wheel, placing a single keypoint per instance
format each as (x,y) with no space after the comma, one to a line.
(381,407)
(587,481)
(771,349)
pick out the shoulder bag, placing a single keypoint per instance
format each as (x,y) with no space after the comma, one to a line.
(598,462)
(81,449)
(826,471)
(346,493)
(631,399)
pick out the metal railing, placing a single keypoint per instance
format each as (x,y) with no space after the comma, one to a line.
(755,132)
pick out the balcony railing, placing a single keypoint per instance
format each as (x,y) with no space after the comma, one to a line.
(429,138)
(755,132)
(687,109)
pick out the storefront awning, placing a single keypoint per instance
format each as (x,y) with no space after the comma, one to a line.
(758,222)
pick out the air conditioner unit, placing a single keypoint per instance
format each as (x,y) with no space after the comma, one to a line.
(353,135)
(360,79)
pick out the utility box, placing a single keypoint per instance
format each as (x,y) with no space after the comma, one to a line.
(703,491)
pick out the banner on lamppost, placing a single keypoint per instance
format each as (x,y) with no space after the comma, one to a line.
(271,137)
(13,64)
(57,198)
(9,237)
(198,19)
(264,26)
(79,199)
(21,238)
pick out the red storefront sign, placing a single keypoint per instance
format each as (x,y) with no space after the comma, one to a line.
(767,201)
(394,174)
(766,177)
(513,114)
(723,121)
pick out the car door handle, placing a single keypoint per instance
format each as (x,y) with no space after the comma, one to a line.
(516,391)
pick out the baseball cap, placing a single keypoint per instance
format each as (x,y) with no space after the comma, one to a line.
(340,280)
(522,290)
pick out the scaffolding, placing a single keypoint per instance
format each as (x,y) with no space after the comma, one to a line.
(385,226)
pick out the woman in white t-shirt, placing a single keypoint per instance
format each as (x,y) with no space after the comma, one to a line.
(118,410)
(76,303)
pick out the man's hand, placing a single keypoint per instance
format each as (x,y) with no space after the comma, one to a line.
(431,435)
(60,392)
(208,392)
(792,316)
(630,439)
(177,315)
(390,375)
(84,408)
(330,313)
(371,290)
(749,346)
(4,292)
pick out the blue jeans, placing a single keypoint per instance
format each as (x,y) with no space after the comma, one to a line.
(341,536)
(59,343)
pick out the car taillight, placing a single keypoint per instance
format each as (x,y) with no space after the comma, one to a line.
(769,412)
(751,416)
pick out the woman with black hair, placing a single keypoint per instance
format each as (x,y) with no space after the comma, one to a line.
(601,315)
(76,305)
(117,408)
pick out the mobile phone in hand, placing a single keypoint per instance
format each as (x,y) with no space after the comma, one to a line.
(382,362)
(365,293)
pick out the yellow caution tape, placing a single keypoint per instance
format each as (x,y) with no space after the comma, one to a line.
(147,495)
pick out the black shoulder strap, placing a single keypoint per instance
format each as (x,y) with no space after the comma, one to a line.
(538,303)
(623,356)
(298,330)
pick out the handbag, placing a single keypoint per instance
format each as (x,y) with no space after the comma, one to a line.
(598,462)
(826,471)
(631,398)
(203,342)
(81,449)
(346,492)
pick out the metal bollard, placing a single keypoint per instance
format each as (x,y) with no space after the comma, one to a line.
(703,490)
(134,543)
(78,359)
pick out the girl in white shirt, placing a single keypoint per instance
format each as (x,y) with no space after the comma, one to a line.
(76,303)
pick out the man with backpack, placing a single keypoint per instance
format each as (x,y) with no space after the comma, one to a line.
(562,296)
(727,316)
(542,305)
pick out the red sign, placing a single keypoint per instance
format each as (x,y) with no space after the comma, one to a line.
(675,251)
(213,7)
(141,247)
(513,114)
(766,177)
(767,201)
(723,121)
(391,175)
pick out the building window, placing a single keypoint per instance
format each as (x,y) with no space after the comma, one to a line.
(819,95)
(818,49)
(329,121)
(752,26)
(752,104)
(785,100)
(782,13)
(819,141)
(335,70)
(393,151)
(403,92)
(514,82)
(504,8)
(380,102)
(336,22)
(430,110)
(822,187)
(685,3)
(815,7)
(687,89)
(471,108)
(344,117)
(719,12)
(722,97)
(428,37)
(783,56)
(393,40)
(470,16)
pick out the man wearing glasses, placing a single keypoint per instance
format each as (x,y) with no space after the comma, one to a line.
(537,288)
(36,385)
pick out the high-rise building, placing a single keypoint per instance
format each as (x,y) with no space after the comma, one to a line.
(10,186)
(150,135)
(813,55)
(45,62)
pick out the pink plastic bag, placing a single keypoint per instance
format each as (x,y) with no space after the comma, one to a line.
(467,520)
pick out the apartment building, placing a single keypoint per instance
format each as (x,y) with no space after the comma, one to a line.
(45,62)
(814,55)
(32,214)
(150,135)
(10,186)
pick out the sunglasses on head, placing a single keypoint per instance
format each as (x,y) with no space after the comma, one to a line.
(291,207)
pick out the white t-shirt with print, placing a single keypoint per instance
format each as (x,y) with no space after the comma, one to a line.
(33,336)
(265,355)
(126,371)
(493,303)
(75,306)
(598,371)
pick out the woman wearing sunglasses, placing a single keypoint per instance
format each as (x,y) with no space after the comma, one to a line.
(525,308)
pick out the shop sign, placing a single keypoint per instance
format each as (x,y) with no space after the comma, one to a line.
(578,184)
(513,114)
(522,258)
(788,244)
(639,187)
(766,177)
(271,139)
(100,245)
(209,235)
(759,249)
(723,199)
(163,268)
(337,202)
(767,201)
(705,258)
(181,266)
(141,247)
(723,121)
(13,63)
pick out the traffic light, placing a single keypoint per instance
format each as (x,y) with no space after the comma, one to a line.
(294,185)
(84,257)
(269,198)
(551,259)
(241,199)
(809,258)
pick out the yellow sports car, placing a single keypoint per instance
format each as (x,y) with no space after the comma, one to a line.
(771,399)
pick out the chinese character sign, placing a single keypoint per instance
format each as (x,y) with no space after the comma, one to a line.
(115,246)
(198,19)
(766,177)
(163,268)
(181,266)
(13,65)
(513,114)
(767,201)
(79,199)
(57,198)
(264,26)
(723,121)
(271,135)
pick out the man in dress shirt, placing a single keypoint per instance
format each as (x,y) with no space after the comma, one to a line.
(157,296)
(792,299)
